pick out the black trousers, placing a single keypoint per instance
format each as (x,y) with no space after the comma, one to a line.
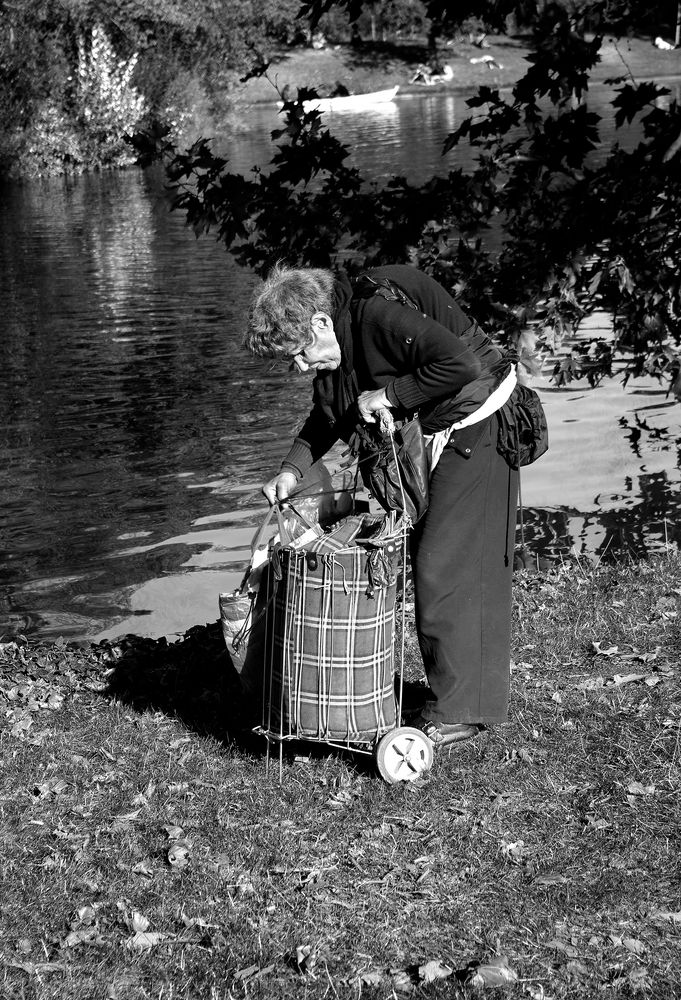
(462,562)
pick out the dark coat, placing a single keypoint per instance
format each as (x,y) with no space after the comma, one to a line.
(433,360)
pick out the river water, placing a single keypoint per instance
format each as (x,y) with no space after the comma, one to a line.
(136,432)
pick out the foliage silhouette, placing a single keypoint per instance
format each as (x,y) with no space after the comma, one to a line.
(575,231)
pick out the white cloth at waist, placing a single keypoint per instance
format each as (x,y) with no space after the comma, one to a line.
(435,443)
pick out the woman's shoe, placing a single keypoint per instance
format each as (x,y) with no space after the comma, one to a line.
(443,734)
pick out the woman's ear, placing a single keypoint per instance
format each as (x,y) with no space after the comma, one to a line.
(322,321)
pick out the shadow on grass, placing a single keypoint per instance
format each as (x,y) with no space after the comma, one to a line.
(192,680)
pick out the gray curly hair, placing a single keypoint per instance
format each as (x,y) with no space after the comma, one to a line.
(281,311)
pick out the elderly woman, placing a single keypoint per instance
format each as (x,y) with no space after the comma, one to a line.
(395,338)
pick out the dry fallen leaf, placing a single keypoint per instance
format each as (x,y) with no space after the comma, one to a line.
(563,946)
(145,940)
(123,822)
(142,798)
(143,868)
(244,885)
(673,917)
(639,980)
(610,651)
(619,679)
(591,684)
(636,788)
(179,854)
(86,935)
(633,945)
(306,958)
(577,968)
(496,973)
(138,922)
(196,923)
(535,992)
(53,786)
(174,832)
(241,975)
(36,968)
(21,727)
(252,972)
(597,823)
(434,970)
(513,851)
(85,915)
(551,878)
(401,981)
(371,978)
(176,744)
(179,788)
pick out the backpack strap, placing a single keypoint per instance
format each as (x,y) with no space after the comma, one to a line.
(365,287)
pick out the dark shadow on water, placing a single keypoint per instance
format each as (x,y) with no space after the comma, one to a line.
(563,390)
(651,522)
(668,404)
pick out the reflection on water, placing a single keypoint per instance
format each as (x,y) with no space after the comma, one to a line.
(406,136)
(130,409)
(136,432)
(646,516)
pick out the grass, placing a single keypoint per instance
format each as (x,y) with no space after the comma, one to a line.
(380,66)
(146,854)
(375,68)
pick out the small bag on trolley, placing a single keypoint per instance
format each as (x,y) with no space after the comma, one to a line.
(329,647)
(243,613)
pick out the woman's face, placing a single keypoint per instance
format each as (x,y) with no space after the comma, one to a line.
(323,354)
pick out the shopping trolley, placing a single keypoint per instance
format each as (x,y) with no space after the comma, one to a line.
(326,666)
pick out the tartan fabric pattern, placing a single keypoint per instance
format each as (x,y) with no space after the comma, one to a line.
(340,537)
(330,648)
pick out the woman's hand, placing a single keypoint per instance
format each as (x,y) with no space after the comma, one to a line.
(371,401)
(280,487)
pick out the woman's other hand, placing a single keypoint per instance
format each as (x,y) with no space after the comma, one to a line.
(280,487)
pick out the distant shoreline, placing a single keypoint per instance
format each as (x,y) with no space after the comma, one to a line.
(366,70)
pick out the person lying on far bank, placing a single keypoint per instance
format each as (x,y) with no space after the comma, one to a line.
(366,350)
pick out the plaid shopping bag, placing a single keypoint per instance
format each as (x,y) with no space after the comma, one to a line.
(330,648)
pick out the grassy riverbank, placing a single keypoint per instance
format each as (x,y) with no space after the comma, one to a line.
(370,69)
(147,855)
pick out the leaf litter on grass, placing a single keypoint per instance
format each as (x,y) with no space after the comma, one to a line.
(549,841)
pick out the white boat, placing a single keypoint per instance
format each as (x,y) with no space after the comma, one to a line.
(350,102)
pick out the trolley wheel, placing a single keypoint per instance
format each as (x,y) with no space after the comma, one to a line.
(403,755)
